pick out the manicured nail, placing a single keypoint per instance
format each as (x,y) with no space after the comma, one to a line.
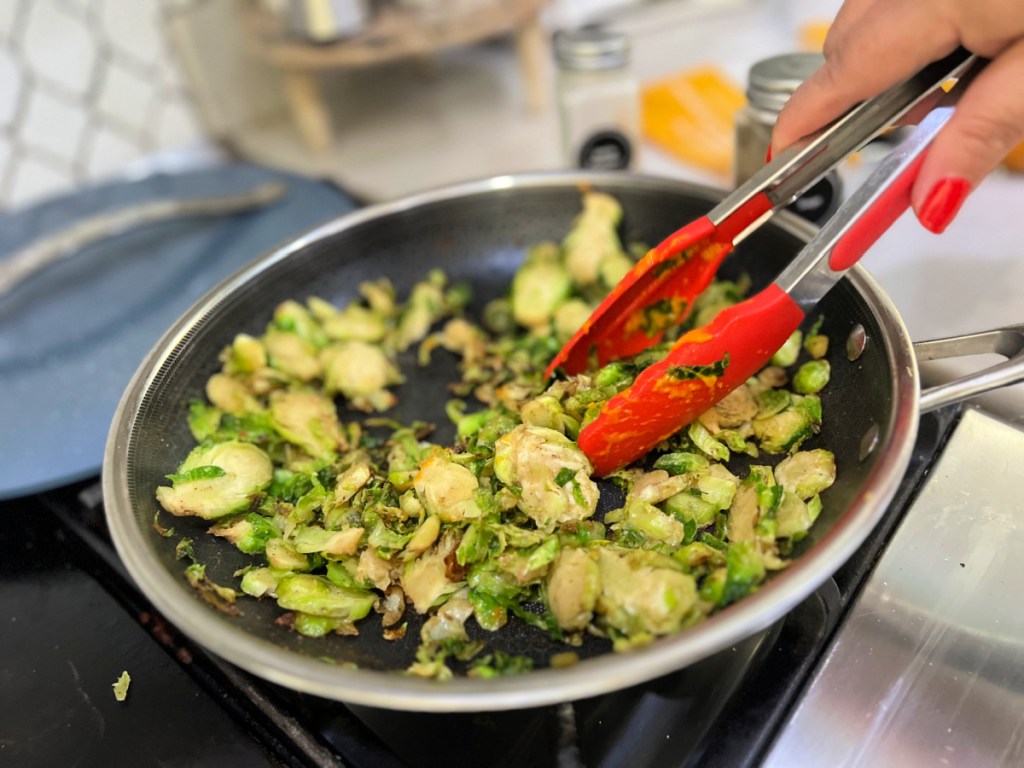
(942,203)
(768,156)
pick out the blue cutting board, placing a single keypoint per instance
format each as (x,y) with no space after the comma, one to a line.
(72,336)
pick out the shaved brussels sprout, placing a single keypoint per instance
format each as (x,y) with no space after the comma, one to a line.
(292,354)
(426,305)
(425,579)
(736,408)
(792,518)
(573,584)
(807,473)
(570,316)
(641,523)
(230,394)
(643,594)
(680,463)
(534,459)
(425,535)
(217,480)
(707,443)
(356,323)
(744,513)
(282,554)
(246,355)
(307,419)
(744,571)
(788,352)
(294,318)
(788,429)
(317,596)
(593,239)
(250,533)
(713,491)
(812,377)
(537,291)
(258,582)
(658,485)
(447,489)
(308,539)
(360,372)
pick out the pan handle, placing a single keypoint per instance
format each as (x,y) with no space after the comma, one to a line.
(1007,341)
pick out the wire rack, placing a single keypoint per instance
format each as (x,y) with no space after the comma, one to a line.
(86,88)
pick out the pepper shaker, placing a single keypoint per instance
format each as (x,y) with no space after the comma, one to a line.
(770,83)
(597,98)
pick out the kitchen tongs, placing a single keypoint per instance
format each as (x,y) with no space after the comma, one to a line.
(706,364)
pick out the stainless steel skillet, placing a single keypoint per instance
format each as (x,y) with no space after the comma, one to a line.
(477,232)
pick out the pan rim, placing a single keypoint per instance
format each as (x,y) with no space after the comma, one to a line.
(592,677)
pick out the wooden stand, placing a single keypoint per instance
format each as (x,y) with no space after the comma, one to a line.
(395,33)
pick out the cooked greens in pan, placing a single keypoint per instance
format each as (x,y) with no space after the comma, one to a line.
(346,516)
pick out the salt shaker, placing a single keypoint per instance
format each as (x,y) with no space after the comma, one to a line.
(770,83)
(597,98)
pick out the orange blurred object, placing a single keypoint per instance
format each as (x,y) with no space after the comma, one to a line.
(1015,160)
(812,35)
(691,115)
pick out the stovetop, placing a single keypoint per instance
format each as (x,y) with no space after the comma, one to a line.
(73,622)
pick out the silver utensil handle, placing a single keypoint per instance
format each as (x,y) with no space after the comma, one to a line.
(62,244)
(861,219)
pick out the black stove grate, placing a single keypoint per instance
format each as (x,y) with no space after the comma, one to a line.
(73,621)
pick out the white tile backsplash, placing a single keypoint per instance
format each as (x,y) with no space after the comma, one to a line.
(125,96)
(52,124)
(10,86)
(175,123)
(133,28)
(5,151)
(87,88)
(35,178)
(109,152)
(8,13)
(59,46)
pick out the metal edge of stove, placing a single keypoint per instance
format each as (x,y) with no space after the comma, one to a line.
(928,666)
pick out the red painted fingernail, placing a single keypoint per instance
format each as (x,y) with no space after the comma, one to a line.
(942,203)
(768,156)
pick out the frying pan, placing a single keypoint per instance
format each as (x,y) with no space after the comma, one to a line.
(477,232)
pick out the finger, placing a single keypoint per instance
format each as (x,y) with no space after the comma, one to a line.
(987,124)
(849,13)
(870,55)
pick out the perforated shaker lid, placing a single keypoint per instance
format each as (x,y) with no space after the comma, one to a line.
(771,82)
(591,48)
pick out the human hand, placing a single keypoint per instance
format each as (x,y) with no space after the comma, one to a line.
(875,44)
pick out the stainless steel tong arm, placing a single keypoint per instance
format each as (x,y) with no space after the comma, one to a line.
(797,167)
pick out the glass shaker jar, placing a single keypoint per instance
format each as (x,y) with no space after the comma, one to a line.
(770,83)
(597,99)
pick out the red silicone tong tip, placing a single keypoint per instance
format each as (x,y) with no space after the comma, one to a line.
(633,316)
(658,292)
(700,369)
